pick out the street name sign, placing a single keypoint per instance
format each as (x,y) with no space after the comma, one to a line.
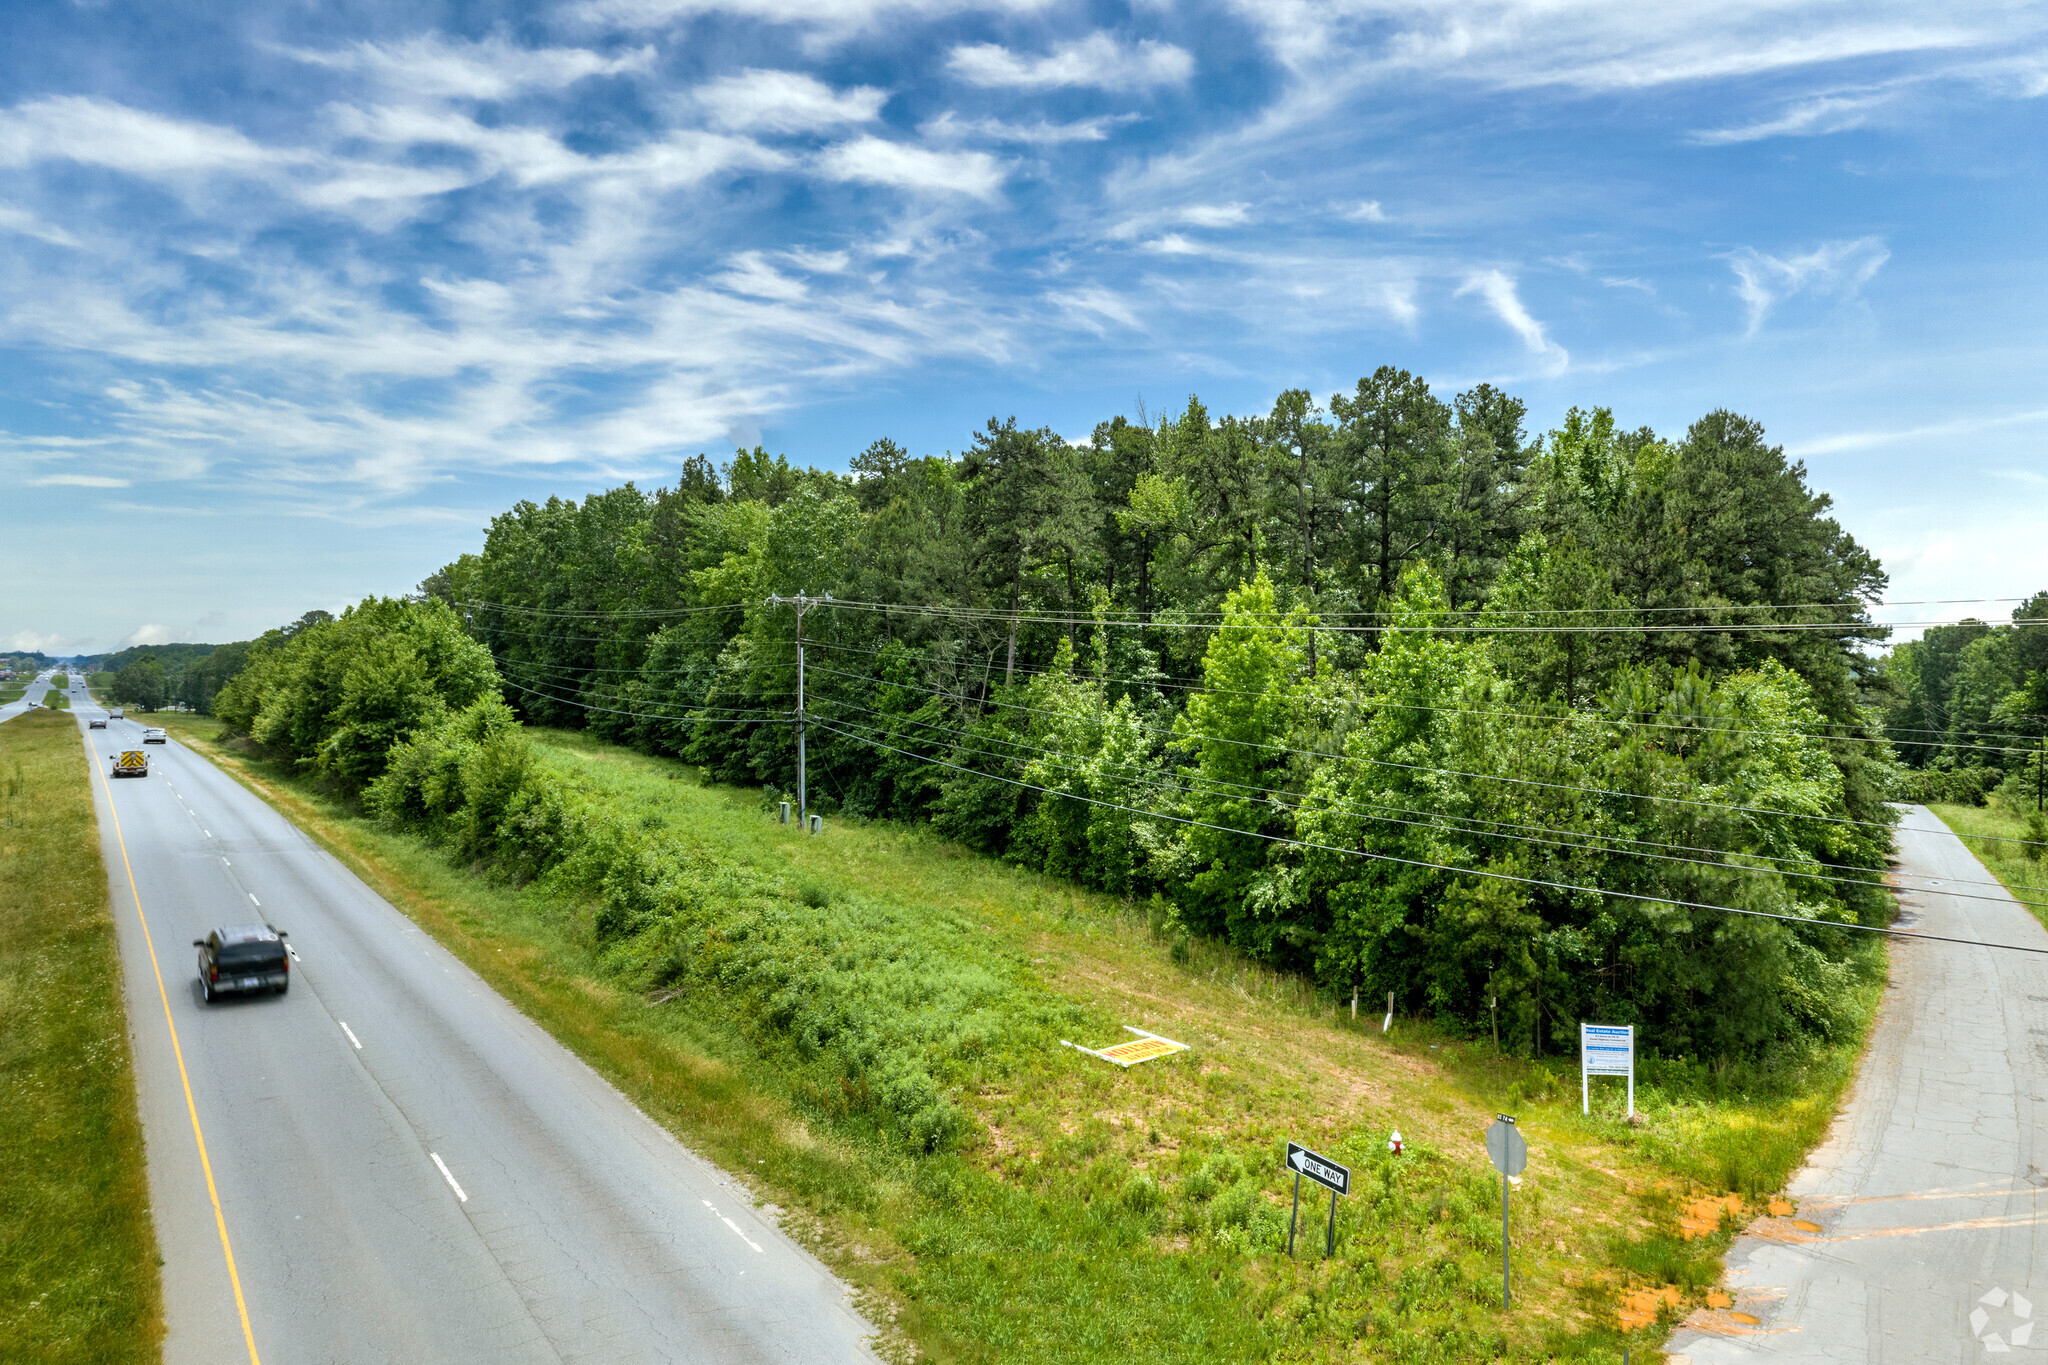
(1606,1050)
(1332,1176)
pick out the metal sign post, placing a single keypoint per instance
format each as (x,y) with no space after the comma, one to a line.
(1509,1153)
(1606,1050)
(1325,1172)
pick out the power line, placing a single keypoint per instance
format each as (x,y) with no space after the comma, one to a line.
(994,615)
(1480,777)
(1300,803)
(642,715)
(1574,713)
(1441,867)
(615,613)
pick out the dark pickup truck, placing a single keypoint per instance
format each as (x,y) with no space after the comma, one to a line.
(243,959)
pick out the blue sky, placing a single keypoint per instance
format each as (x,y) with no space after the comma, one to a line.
(294,297)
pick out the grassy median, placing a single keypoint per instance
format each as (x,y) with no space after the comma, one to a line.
(1139,1214)
(78,1254)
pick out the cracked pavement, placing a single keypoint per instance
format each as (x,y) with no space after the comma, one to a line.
(1917,1233)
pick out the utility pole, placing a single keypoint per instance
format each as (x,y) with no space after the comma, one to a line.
(802,603)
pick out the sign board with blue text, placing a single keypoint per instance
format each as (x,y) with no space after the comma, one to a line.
(1606,1050)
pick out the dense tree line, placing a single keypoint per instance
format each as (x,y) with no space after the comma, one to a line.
(154,677)
(1383,690)
(1969,708)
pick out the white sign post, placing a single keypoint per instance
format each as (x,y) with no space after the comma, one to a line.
(1606,1050)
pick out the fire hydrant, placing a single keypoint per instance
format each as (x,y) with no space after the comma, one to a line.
(1394,1143)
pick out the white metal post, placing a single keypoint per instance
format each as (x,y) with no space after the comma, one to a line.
(1631,1070)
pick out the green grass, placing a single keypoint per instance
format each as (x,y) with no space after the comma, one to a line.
(1091,1212)
(11,691)
(57,701)
(2022,869)
(60,681)
(78,1256)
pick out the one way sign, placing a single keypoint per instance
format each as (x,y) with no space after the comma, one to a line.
(1322,1170)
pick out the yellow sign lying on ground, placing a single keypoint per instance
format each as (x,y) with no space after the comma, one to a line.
(1146,1047)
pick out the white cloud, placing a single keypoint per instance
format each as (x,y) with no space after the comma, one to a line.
(1920,433)
(434,66)
(33,642)
(1597,45)
(1831,270)
(26,224)
(948,127)
(1098,60)
(749,274)
(1814,117)
(1216,215)
(147,635)
(786,102)
(1628,282)
(1368,211)
(97,132)
(77,481)
(1499,293)
(871,160)
(831,17)
(818,262)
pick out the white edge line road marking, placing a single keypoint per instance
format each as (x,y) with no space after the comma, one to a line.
(734,1226)
(444,1168)
(253,901)
(359,1047)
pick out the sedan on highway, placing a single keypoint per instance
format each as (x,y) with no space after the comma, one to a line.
(152,735)
(96,723)
(243,959)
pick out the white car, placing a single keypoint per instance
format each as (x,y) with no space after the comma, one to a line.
(153,735)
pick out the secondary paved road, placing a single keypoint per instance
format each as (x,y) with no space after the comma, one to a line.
(32,697)
(340,1120)
(1930,1191)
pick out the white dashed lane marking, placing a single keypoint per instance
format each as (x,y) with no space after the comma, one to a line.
(448,1177)
(734,1226)
(351,1035)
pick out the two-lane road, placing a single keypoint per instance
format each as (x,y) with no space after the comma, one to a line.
(38,688)
(402,1166)
(1925,1210)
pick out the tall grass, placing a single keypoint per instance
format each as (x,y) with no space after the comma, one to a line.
(2021,866)
(78,1255)
(760,992)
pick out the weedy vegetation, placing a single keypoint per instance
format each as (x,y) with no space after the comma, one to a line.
(866,1027)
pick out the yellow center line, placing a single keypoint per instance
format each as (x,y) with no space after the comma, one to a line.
(219,1219)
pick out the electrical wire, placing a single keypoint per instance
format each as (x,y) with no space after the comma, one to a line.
(1299,803)
(1624,717)
(1443,867)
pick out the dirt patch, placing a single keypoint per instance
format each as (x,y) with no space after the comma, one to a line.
(1643,1307)
(1702,1217)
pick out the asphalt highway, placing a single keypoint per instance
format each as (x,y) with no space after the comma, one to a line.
(390,1163)
(37,690)
(1923,1210)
